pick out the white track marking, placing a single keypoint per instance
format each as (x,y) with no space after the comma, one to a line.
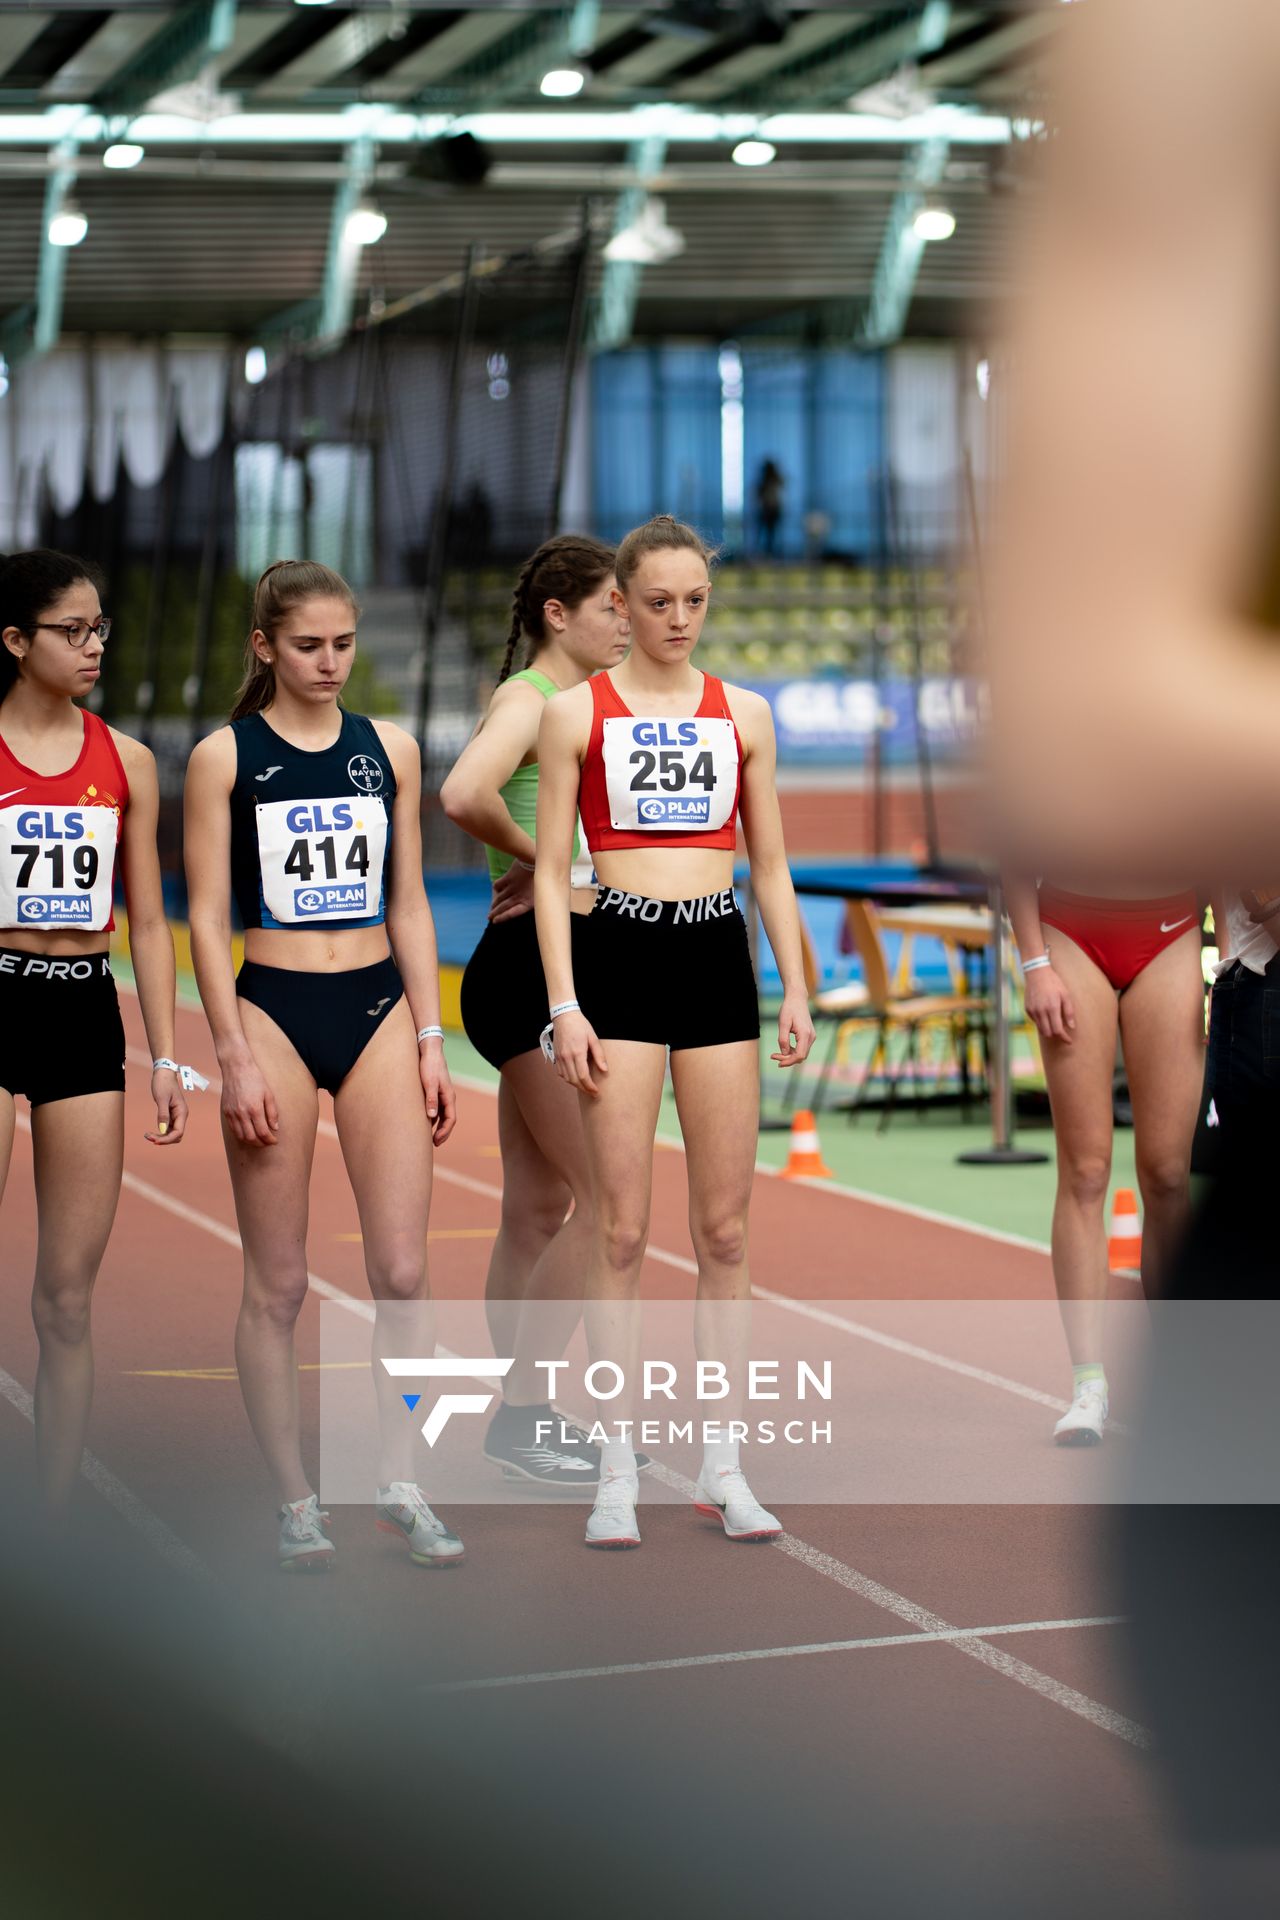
(952,1635)
(920,1618)
(173,1551)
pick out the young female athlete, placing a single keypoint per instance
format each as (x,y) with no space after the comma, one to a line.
(1108,965)
(564,607)
(308,815)
(661,760)
(73,793)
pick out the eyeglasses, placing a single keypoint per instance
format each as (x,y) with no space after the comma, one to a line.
(76,633)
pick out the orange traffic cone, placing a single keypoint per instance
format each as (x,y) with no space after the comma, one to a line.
(804,1160)
(1124,1247)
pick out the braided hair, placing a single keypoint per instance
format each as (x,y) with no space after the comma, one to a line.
(566,568)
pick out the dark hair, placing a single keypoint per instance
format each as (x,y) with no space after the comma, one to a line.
(284,584)
(30,582)
(658,535)
(566,568)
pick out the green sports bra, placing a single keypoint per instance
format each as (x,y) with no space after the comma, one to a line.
(520,794)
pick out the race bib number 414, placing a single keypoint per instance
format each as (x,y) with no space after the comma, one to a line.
(670,774)
(322,859)
(56,866)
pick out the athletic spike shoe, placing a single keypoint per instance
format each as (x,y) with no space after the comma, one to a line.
(724,1495)
(1081,1425)
(560,1455)
(402,1508)
(612,1520)
(572,1431)
(305,1547)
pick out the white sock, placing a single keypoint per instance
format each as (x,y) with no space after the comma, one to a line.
(617,1456)
(719,1456)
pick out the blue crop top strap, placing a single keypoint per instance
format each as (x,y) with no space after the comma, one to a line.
(310,832)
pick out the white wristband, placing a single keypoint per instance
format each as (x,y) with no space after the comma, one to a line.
(526,864)
(1038,960)
(189,1078)
(430,1033)
(565,1006)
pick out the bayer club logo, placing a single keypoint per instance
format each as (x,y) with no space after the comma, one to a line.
(366,774)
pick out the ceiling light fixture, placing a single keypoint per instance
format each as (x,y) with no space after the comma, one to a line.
(562,83)
(255,365)
(754,153)
(124,154)
(366,224)
(934,221)
(68,226)
(648,241)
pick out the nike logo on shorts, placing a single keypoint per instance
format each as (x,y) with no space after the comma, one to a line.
(1167,926)
(267,775)
(384,1002)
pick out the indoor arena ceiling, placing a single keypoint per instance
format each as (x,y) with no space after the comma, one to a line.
(260,123)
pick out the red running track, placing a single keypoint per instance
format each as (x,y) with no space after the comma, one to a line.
(1022,1747)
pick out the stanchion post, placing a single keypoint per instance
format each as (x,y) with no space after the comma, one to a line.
(1001,1152)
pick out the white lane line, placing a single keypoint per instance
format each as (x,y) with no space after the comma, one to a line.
(952,1635)
(136,1514)
(916,1616)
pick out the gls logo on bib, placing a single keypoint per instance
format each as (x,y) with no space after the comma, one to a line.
(56,866)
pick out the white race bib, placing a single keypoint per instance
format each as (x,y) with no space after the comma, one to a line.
(56,866)
(668,774)
(322,859)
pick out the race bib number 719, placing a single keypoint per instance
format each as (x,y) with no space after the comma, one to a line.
(670,774)
(56,866)
(322,859)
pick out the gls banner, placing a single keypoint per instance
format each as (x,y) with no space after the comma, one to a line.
(835,720)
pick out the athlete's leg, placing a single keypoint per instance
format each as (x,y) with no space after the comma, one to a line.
(547,1176)
(619,1124)
(271,1193)
(717,1099)
(1162,1033)
(382,1123)
(79,1157)
(1079,1074)
(534,1197)
(8,1122)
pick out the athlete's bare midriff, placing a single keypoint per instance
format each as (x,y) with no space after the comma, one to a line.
(667,873)
(312,950)
(65,944)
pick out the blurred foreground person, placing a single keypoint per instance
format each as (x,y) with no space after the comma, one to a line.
(1139,589)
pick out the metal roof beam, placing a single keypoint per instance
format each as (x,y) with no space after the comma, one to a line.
(342,263)
(615,306)
(52,271)
(901,250)
(511,65)
(830,74)
(196,34)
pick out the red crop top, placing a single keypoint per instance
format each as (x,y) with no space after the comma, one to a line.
(58,837)
(660,781)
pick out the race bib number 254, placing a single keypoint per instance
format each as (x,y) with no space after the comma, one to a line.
(670,774)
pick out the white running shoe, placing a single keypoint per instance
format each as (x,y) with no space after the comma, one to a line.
(305,1547)
(725,1496)
(402,1508)
(1081,1425)
(612,1520)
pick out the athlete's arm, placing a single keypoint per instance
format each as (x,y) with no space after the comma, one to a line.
(471,795)
(562,741)
(1050,1007)
(248,1104)
(1140,514)
(411,929)
(150,942)
(770,874)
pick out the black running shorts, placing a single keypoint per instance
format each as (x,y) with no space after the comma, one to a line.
(504,993)
(329,1018)
(60,1029)
(676,973)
